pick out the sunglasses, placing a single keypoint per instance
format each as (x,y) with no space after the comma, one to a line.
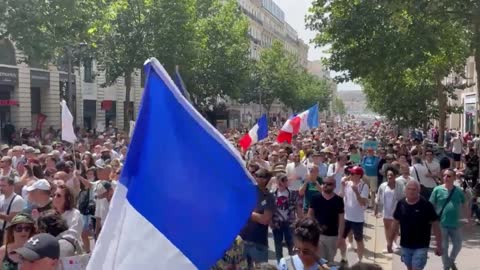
(304,251)
(328,184)
(19,228)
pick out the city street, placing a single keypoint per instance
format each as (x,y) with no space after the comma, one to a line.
(466,260)
(375,244)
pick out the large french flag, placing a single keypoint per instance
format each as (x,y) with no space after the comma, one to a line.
(298,123)
(256,134)
(171,209)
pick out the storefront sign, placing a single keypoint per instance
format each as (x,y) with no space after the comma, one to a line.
(470,99)
(39,79)
(8,102)
(8,76)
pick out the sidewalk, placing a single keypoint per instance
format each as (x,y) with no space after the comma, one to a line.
(466,260)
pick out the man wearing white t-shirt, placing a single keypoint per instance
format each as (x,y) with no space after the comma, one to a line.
(355,196)
(10,203)
(104,193)
(296,173)
(420,173)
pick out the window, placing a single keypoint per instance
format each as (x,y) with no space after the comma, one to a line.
(88,70)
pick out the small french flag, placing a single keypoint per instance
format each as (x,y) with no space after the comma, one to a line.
(256,134)
(298,123)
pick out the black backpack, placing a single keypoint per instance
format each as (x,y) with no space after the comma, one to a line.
(86,206)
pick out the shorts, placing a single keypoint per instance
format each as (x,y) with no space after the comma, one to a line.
(255,253)
(87,222)
(457,157)
(415,258)
(356,228)
(328,247)
(372,182)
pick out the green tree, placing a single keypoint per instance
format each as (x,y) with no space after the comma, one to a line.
(377,41)
(309,90)
(339,106)
(221,66)
(121,35)
(43,29)
(275,76)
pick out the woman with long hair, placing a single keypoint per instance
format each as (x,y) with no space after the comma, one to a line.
(64,203)
(88,160)
(21,228)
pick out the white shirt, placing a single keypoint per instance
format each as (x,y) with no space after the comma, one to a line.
(299,171)
(101,209)
(388,202)
(102,205)
(297,263)
(18,205)
(405,180)
(457,146)
(353,210)
(74,221)
(422,171)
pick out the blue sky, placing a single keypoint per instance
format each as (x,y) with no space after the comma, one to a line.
(295,11)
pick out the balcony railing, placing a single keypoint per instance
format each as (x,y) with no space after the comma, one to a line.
(251,15)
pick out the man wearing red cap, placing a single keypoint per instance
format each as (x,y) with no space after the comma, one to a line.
(355,196)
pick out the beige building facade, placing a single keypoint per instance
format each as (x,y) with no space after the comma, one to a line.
(267,24)
(30,96)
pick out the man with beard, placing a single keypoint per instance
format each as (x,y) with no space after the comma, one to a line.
(104,158)
(328,209)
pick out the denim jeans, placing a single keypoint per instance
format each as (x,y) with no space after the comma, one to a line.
(283,232)
(455,235)
(415,258)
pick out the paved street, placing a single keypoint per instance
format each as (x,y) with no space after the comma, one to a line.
(466,260)
(375,244)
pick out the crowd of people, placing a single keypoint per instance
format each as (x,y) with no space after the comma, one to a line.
(313,194)
(55,197)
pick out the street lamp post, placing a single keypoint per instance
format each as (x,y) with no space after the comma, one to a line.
(69,84)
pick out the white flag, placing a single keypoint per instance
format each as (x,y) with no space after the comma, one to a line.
(132,127)
(68,133)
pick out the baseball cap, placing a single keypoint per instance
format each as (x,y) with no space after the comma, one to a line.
(40,184)
(356,170)
(4,147)
(39,246)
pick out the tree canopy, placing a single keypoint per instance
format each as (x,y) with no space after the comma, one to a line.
(398,50)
